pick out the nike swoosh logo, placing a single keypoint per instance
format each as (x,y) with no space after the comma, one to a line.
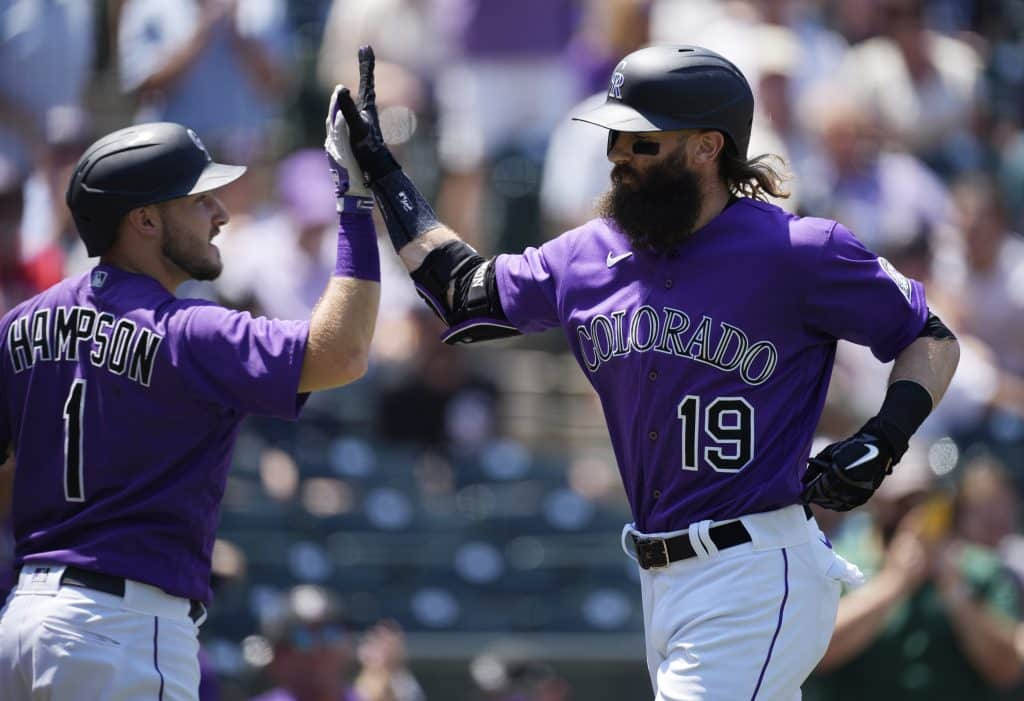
(871,454)
(612,260)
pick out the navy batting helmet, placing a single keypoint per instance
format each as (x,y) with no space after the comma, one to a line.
(136,166)
(664,88)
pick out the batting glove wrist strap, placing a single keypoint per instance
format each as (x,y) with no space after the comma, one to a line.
(405,211)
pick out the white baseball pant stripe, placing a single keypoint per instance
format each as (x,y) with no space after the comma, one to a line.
(747,623)
(65,643)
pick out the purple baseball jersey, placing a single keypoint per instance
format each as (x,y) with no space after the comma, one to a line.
(712,362)
(123,403)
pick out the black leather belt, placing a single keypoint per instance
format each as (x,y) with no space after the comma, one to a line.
(109,584)
(659,552)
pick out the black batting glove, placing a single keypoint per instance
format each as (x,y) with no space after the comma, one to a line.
(845,474)
(368,145)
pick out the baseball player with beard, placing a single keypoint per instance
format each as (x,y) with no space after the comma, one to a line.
(707,322)
(122,403)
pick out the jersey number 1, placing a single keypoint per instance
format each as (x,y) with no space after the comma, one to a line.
(729,422)
(73,409)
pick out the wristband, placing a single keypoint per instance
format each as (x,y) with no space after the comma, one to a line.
(406,213)
(906,406)
(358,256)
(355,203)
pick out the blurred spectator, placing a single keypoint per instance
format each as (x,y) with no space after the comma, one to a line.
(855,20)
(576,167)
(406,50)
(436,400)
(919,83)
(935,621)
(284,250)
(503,89)
(725,27)
(1011,178)
(512,675)
(46,55)
(887,198)
(775,129)
(607,31)
(978,386)
(313,654)
(50,246)
(576,170)
(821,48)
(1001,26)
(383,675)
(220,67)
(987,510)
(990,290)
(15,279)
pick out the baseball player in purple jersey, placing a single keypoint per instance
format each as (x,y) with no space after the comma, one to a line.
(121,404)
(707,322)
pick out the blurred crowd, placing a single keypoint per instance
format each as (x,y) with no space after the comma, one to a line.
(453,493)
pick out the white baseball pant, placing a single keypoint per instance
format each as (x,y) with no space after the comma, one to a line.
(747,623)
(64,643)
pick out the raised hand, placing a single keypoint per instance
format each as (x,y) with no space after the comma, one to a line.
(368,145)
(342,161)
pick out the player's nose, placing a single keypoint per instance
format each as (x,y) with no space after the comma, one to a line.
(220,213)
(620,152)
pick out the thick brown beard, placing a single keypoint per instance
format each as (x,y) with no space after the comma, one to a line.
(658,210)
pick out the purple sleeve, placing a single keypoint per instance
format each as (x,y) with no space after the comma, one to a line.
(528,284)
(250,364)
(857,296)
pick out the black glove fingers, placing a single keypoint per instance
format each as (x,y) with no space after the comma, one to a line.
(367,92)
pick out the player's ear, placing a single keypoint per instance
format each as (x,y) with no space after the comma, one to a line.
(706,146)
(145,220)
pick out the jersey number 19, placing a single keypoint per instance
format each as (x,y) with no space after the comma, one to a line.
(728,422)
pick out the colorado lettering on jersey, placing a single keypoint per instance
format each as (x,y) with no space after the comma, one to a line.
(55,335)
(727,348)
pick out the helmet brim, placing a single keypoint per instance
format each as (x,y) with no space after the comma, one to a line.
(620,117)
(216,175)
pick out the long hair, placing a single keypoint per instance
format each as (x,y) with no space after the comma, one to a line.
(754,177)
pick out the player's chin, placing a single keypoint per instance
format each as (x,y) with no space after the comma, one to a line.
(210,267)
(213,256)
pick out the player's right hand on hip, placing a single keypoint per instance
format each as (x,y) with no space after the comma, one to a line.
(845,474)
(368,145)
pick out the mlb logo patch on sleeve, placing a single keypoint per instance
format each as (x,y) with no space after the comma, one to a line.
(899,278)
